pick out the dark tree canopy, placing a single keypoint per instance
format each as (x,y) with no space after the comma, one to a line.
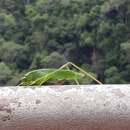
(94,34)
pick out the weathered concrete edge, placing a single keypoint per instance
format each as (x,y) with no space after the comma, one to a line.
(100,107)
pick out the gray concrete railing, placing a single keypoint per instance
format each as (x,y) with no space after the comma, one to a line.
(89,107)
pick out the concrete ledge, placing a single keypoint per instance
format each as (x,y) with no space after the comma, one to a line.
(89,107)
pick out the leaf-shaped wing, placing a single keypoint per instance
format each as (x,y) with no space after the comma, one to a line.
(38,77)
(30,77)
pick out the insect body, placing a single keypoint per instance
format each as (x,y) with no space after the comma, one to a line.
(64,73)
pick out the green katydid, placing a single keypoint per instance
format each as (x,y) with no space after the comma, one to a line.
(42,76)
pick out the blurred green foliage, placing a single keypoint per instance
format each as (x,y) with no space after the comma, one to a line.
(94,34)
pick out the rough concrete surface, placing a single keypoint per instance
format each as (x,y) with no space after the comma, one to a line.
(88,107)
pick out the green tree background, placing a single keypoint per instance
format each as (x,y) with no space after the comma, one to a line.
(94,34)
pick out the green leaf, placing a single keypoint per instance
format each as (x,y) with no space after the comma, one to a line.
(41,76)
